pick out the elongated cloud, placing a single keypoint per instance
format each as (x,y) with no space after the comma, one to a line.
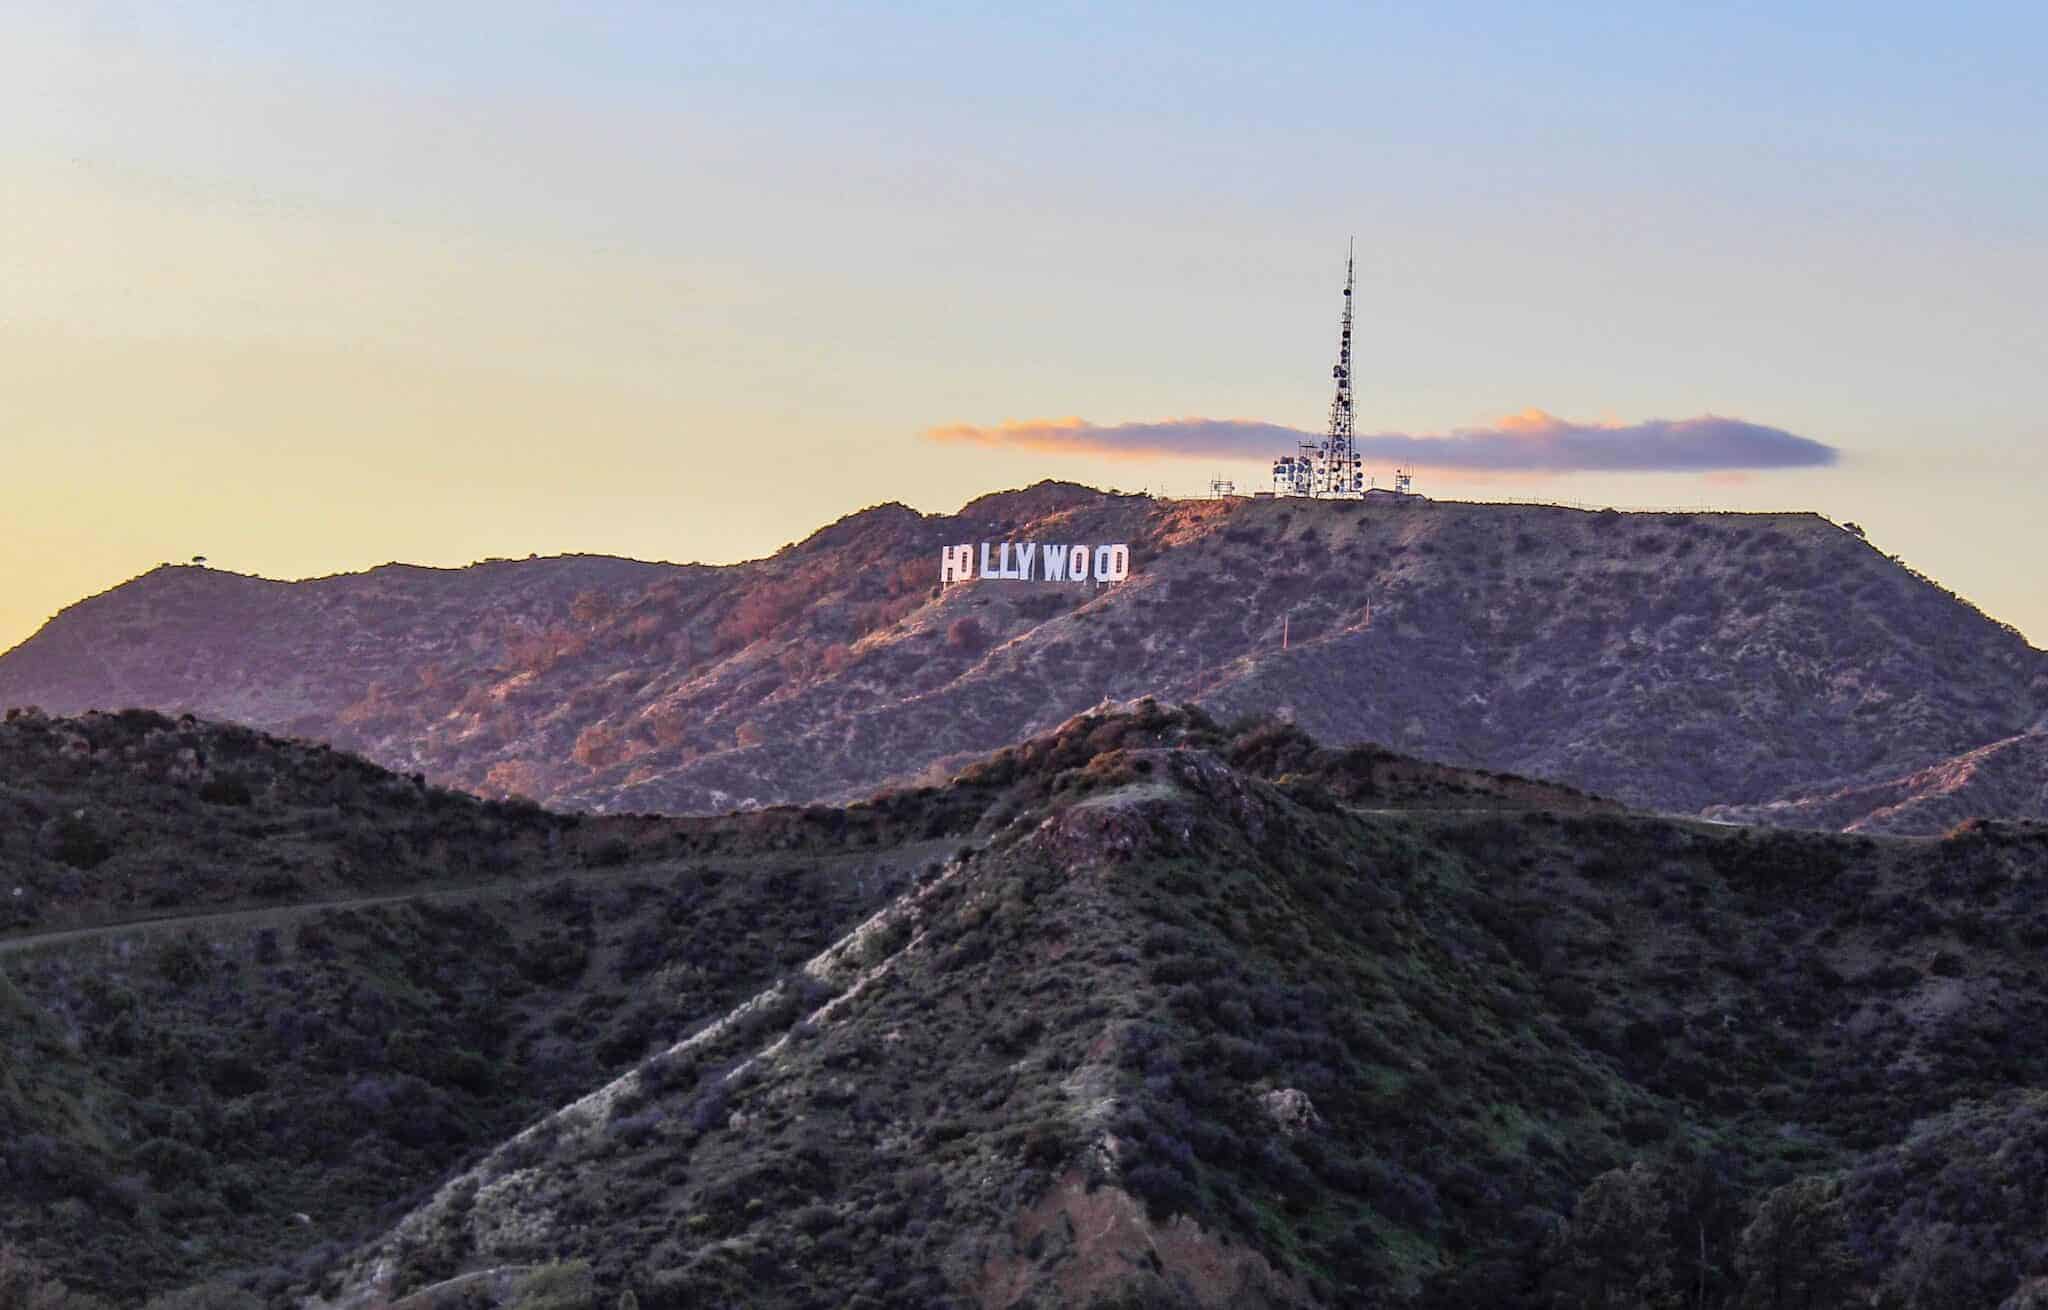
(1532,441)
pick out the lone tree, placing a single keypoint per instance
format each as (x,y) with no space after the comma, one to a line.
(1795,1252)
(1615,1253)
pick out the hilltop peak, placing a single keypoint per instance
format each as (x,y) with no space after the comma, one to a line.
(1675,660)
(1033,502)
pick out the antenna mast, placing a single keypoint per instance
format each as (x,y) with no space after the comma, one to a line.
(1340,471)
(1330,468)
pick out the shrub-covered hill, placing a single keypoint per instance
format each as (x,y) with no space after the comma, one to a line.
(256,993)
(253,1093)
(114,816)
(1168,1031)
(1675,661)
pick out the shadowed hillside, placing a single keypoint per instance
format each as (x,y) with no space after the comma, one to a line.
(1675,661)
(247,979)
(257,992)
(1142,1011)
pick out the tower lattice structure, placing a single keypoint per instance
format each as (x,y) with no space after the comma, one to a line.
(1330,468)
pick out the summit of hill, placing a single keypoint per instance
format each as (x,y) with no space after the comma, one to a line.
(1673,661)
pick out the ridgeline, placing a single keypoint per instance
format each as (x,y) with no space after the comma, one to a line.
(1772,662)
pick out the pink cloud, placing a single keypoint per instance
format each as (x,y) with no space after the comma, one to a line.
(1529,442)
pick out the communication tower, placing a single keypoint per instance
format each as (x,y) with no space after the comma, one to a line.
(1330,468)
(1219,488)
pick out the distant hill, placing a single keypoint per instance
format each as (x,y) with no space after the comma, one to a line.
(1143,1011)
(1674,661)
(2007,778)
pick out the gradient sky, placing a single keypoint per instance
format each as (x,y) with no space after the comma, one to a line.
(308,291)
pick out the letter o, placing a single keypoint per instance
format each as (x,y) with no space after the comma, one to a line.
(1077,564)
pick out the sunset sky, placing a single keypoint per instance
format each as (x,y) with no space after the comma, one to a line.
(309,291)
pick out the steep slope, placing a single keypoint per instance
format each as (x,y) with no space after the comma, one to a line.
(253,992)
(256,991)
(1142,1011)
(2008,778)
(1171,1034)
(1673,661)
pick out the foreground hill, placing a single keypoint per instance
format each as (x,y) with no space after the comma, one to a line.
(1142,1011)
(1674,661)
(254,992)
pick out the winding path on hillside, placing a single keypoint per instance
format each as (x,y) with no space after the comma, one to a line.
(247,915)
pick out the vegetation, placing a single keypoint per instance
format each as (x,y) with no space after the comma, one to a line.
(1672,661)
(1146,1010)
(115,816)
(249,1090)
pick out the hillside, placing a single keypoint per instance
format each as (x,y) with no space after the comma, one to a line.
(1177,1036)
(1675,662)
(2008,778)
(253,992)
(116,816)
(1142,1011)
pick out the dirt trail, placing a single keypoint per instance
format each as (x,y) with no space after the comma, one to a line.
(260,914)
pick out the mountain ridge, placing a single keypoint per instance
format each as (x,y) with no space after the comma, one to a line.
(1678,661)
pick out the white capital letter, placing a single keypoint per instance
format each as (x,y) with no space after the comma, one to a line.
(956,564)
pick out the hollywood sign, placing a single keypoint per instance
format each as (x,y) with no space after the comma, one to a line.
(1031,562)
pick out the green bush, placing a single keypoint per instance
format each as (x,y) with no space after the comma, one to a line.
(206,1296)
(562,1285)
